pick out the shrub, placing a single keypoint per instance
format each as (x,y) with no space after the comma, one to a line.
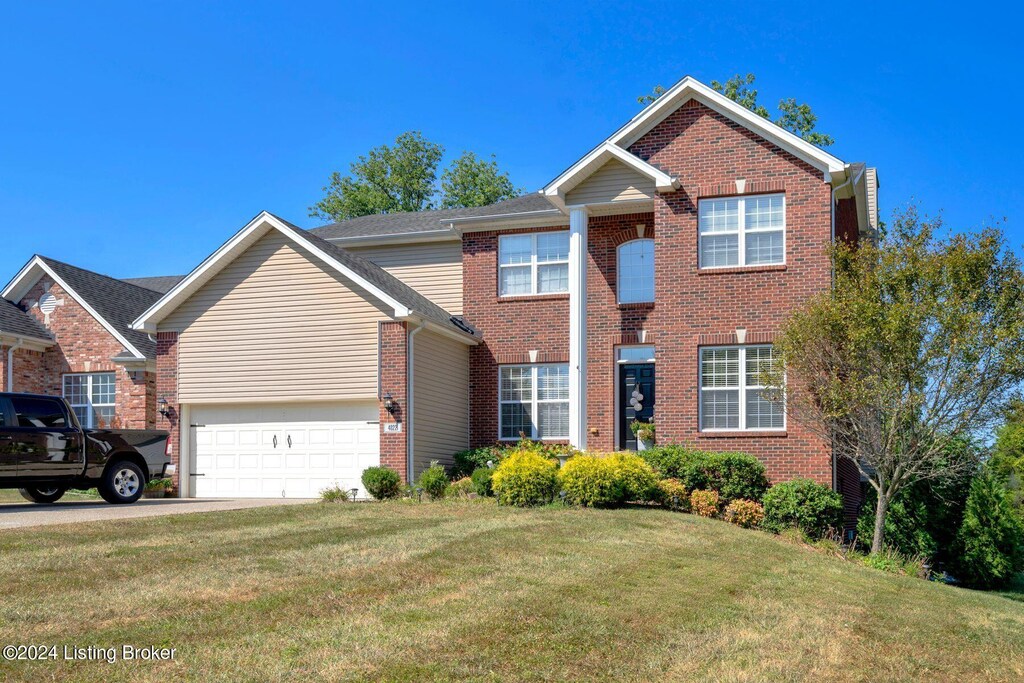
(991,538)
(636,477)
(673,495)
(461,488)
(434,480)
(745,513)
(804,504)
(525,477)
(333,494)
(468,461)
(704,503)
(893,561)
(733,475)
(382,482)
(592,481)
(481,478)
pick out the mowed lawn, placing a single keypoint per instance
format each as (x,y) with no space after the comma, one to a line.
(471,591)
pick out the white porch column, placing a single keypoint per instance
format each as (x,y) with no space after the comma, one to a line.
(578,327)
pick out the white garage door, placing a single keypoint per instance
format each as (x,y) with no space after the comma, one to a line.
(289,451)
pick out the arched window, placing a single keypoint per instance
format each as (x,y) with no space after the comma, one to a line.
(636,271)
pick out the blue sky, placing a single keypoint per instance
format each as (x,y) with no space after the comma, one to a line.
(137,137)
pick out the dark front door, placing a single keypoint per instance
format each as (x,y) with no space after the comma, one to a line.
(636,400)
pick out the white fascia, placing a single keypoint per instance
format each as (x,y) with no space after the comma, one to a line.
(24,281)
(256,228)
(556,190)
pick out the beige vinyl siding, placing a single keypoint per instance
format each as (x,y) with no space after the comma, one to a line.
(440,399)
(613,182)
(434,269)
(276,325)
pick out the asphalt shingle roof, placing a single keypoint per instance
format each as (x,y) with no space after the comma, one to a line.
(387,282)
(159,283)
(424,221)
(17,322)
(116,301)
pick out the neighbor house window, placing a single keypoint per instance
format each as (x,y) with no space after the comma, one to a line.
(534,401)
(636,271)
(742,231)
(537,263)
(732,389)
(92,397)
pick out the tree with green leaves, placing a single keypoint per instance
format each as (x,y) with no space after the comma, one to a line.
(1008,451)
(403,177)
(798,119)
(472,181)
(990,543)
(916,345)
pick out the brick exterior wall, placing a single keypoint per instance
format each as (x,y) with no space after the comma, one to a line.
(166,384)
(693,308)
(83,345)
(394,347)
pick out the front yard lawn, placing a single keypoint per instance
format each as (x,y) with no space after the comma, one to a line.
(471,591)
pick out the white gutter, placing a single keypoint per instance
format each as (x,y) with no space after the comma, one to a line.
(409,357)
(10,363)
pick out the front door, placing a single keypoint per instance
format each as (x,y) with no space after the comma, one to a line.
(636,400)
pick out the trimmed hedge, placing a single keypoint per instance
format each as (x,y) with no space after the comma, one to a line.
(475,458)
(525,478)
(734,475)
(638,480)
(592,481)
(382,482)
(804,504)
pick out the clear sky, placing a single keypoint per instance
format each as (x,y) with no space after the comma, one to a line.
(136,137)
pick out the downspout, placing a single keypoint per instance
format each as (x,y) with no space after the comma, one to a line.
(409,356)
(10,363)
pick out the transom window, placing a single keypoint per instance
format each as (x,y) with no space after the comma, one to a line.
(742,231)
(534,401)
(92,397)
(731,389)
(636,271)
(536,263)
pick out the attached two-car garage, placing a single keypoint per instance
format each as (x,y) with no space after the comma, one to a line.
(287,450)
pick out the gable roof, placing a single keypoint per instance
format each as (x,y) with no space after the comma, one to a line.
(594,160)
(15,322)
(425,223)
(113,303)
(406,302)
(158,283)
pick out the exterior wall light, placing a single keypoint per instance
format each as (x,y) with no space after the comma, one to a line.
(164,409)
(389,403)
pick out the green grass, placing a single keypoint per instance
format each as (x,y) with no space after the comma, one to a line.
(470,591)
(8,496)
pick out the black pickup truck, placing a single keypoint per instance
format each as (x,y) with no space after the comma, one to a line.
(44,451)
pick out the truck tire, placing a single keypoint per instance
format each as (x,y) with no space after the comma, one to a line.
(122,482)
(42,494)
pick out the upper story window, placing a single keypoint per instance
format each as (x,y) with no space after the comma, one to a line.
(535,263)
(742,231)
(636,271)
(92,397)
(732,387)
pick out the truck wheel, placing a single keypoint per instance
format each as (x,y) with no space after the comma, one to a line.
(37,494)
(121,483)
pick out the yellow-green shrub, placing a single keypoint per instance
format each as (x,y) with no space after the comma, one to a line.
(672,494)
(460,488)
(524,478)
(745,513)
(704,503)
(591,480)
(637,478)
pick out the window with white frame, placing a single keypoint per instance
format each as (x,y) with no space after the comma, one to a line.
(742,231)
(636,271)
(732,389)
(536,263)
(534,400)
(92,397)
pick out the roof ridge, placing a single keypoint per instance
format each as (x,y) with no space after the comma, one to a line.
(93,272)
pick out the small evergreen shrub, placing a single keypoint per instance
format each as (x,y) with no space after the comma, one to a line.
(804,504)
(382,482)
(704,503)
(592,481)
(991,538)
(745,513)
(434,480)
(524,478)
(468,461)
(638,480)
(333,494)
(673,495)
(460,488)
(733,475)
(481,478)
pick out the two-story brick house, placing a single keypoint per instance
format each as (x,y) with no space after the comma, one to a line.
(646,281)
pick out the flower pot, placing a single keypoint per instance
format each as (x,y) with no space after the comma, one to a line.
(644,444)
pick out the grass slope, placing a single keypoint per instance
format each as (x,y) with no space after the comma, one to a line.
(471,591)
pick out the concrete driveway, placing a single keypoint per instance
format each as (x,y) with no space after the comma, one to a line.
(16,515)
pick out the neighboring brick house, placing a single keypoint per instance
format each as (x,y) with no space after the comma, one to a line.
(66,331)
